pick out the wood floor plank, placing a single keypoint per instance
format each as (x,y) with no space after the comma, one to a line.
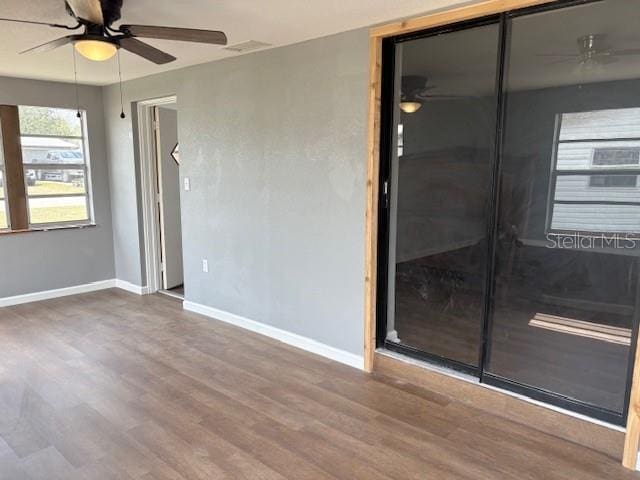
(265,449)
(113,386)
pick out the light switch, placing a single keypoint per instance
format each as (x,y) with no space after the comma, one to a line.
(187,184)
(205,265)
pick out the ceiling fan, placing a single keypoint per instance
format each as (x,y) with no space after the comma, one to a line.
(415,91)
(593,49)
(100,41)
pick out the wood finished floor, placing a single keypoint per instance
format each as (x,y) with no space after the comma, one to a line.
(109,385)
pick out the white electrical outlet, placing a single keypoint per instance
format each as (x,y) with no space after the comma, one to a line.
(187,184)
(205,265)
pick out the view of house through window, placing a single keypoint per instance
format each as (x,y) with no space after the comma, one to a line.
(594,182)
(55,165)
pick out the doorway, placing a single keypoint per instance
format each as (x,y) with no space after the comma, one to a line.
(509,222)
(161,186)
(168,189)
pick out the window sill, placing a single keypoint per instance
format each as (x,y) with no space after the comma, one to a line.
(48,229)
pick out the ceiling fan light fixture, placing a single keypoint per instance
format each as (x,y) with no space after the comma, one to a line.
(96,50)
(410,107)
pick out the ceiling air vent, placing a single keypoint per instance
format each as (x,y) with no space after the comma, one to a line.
(247,46)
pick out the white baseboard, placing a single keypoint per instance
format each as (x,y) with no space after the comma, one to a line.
(74,290)
(284,336)
(130,287)
(58,292)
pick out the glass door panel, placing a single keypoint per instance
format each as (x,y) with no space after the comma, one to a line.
(566,272)
(444,111)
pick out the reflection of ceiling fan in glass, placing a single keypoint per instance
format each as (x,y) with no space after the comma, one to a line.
(592,49)
(415,92)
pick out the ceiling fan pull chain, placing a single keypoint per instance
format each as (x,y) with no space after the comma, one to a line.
(75,81)
(122,115)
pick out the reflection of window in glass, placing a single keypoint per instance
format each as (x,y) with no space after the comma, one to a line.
(55,166)
(594,178)
(616,156)
(629,181)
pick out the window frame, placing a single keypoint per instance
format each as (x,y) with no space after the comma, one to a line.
(3,188)
(20,163)
(4,199)
(606,175)
(620,165)
(594,170)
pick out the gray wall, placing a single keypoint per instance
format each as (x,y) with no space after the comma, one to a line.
(124,172)
(275,146)
(37,261)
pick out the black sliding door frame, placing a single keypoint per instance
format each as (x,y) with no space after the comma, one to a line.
(493,204)
(384,212)
(492,218)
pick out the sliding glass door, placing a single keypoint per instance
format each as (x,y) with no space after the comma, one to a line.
(443,121)
(566,258)
(510,205)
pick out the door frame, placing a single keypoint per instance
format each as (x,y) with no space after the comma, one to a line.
(375,190)
(149,183)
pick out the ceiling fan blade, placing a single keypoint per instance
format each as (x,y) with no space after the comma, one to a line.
(626,51)
(45,47)
(145,50)
(90,10)
(557,55)
(560,60)
(446,97)
(607,60)
(171,33)
(426,89)
(54,25)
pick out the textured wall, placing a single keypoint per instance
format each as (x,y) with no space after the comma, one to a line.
(124,169)
(37,261)
(275,145)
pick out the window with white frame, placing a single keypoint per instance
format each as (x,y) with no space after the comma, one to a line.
(55,164)
(595,183)
(44,169)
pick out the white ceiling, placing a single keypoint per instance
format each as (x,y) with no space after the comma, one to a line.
(277,22)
